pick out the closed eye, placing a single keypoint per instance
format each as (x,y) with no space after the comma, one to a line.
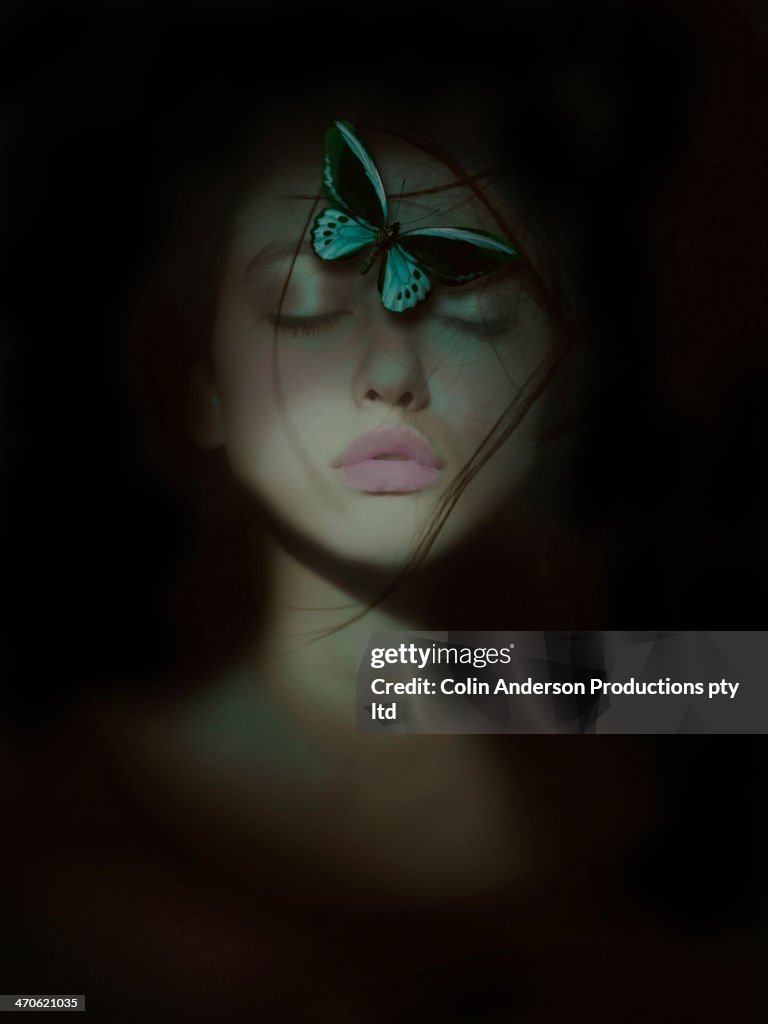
(484,329)
(307,325)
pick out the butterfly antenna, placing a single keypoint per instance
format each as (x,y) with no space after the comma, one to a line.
(429,213)
(399,199)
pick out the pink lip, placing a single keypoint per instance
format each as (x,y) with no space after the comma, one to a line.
(389,460)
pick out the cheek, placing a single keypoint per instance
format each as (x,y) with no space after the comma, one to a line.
(279,410)
(473,397)
(247,394)
(259,376)
(484,379)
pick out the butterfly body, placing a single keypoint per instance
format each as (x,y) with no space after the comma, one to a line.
(410,259)
(385,239)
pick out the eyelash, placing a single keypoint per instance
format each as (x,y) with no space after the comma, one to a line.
(484,330)
(306,325)
(312,325)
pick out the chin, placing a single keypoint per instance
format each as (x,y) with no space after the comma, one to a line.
(378,553)
(355,548)
(385,553)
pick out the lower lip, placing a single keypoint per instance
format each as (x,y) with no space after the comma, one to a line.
(385,476)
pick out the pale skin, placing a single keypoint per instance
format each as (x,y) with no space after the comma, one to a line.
(429,813)
(284,407)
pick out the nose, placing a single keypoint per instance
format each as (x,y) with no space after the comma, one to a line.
(390,370)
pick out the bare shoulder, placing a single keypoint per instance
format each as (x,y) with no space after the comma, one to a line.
(233,768)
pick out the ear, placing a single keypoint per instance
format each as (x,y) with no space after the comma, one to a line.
(205,421)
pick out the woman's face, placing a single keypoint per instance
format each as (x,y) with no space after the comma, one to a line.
(350,422)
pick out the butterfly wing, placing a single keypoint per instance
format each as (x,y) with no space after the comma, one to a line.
(402,281)
(337,235)
(458,255)
(350,177)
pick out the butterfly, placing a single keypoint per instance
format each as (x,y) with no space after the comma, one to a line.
(359,217)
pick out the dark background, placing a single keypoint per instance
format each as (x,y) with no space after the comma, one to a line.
(644,126)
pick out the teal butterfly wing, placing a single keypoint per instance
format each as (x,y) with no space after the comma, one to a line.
(402,281)
(352,183)
(351,178)
(338,236)
(454,256)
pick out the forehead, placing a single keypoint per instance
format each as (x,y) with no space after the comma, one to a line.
(422,189)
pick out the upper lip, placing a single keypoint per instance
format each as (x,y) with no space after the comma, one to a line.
(399,441)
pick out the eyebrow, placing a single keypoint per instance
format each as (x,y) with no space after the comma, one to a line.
(275,252)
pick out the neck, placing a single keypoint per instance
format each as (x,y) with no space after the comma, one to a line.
(320,622)
(310,608)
